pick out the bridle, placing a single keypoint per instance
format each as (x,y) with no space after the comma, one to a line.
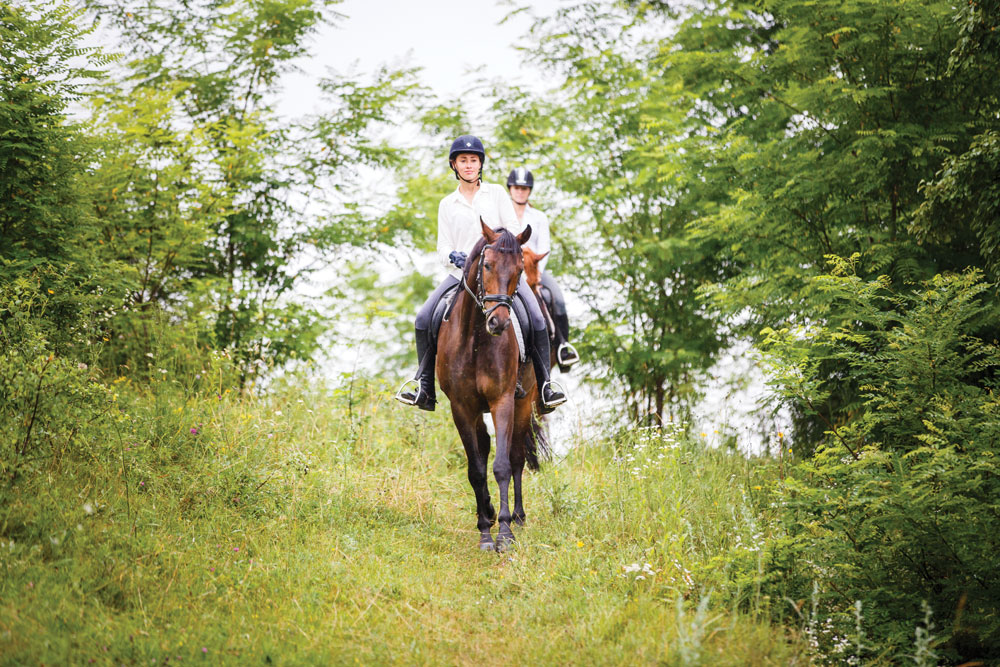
(479,295)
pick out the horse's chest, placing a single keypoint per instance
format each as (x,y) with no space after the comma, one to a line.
(497,372)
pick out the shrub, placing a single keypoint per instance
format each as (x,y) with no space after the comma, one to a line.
(899,506)
(47,398)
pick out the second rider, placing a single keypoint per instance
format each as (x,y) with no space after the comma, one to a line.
(520,183)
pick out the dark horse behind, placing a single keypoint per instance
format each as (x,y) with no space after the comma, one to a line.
(478,368)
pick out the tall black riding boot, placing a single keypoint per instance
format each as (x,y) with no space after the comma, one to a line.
(551,397)
(423,395)
(566,354)
(562,326)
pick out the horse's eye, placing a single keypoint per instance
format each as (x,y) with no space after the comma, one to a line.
(487,266)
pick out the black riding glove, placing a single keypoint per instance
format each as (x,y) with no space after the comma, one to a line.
(457,258)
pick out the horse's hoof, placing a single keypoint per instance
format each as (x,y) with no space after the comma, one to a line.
(487,546)
(519,520)
(503,542)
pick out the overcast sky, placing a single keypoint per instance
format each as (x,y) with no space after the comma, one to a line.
(447,38)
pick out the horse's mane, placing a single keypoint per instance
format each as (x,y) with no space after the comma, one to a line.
(506,243)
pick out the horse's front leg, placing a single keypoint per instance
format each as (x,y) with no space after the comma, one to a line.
(484,456)
(468,424)
(503,419)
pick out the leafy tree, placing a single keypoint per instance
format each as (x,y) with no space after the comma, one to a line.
(55,294)
(961,204)
(221,207)
(47,232)
(821,123)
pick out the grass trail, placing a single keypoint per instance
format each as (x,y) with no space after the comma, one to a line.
(310,530)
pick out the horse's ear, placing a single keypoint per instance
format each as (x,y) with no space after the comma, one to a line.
(490,235)
(542,256)
(523,237)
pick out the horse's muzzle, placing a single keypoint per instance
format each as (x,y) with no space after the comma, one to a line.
(495,327)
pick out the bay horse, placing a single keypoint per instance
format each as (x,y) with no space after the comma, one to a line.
(478,367)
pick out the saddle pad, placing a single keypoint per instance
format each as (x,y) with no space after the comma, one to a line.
(521,323)
(518,334)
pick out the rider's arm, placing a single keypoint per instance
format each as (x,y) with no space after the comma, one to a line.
(445,237)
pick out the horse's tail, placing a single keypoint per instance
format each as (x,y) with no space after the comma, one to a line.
(536,446)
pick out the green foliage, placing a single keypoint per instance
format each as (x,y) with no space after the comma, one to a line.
(47,400)
(900,504)
(47,232)
(37,156)
(964,200)
(221,208)
(819,123)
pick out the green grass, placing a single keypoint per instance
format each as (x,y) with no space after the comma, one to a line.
(313,529)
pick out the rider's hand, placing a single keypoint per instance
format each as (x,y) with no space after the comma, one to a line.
(457,258)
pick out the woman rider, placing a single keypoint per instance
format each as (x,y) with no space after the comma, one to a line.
(458,231)
(520,183)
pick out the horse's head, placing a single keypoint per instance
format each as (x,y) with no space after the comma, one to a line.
(532,268)
(500,263)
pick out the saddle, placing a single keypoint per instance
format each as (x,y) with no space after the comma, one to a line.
(521,324)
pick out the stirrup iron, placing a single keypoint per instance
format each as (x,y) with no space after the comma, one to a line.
(416,394)
(554,385)
(571,356)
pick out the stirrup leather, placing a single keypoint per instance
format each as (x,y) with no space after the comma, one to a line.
(416,395)
(571,356)
(554,385)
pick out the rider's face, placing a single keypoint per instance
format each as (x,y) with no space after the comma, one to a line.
(468,165)
(520,193)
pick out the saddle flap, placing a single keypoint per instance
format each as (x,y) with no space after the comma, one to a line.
(442,310)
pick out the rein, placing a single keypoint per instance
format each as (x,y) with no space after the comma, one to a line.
(483,299)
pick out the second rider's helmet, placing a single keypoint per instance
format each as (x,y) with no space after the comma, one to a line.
(520,176)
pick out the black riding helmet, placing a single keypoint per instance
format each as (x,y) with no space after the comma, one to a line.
(467,143)
(520,176)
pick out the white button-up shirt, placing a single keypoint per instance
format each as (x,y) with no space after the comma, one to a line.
(539,241)
(458,221)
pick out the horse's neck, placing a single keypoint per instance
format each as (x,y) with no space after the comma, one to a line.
(471,329)
(467,315)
